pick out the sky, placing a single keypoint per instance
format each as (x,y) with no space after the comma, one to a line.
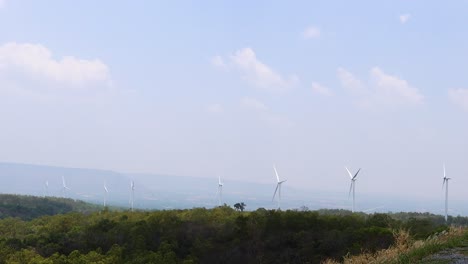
(229,88)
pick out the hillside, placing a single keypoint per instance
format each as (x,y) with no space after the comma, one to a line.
(30,207)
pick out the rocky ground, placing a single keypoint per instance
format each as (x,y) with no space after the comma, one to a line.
(449,256)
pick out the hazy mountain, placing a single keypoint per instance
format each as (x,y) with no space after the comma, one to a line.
(155,191)
(84,184)
(151,190)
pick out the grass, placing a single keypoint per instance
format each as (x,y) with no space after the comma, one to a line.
(408,251)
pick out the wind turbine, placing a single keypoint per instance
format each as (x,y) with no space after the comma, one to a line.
(132,187)
(64,187)
(106,192)
(278,188)
(445,182)
(46,186)
(353,184)
(220,191)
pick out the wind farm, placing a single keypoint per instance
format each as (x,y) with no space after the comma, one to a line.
(170,191)
(225,132)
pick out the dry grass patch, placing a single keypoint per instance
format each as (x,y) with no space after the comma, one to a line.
(407,250)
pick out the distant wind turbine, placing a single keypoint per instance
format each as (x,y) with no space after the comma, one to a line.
(278,188)
(445,182)
(220,191)
(352,187)
(106,192)
(46,186)
(132,187)
(64,187)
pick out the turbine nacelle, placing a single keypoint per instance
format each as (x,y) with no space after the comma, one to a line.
(445,179)
(353,178)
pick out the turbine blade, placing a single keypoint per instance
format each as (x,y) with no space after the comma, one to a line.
(350,175)
(444,171)
(276,172)
(274,194)
(219,180)
(355,175)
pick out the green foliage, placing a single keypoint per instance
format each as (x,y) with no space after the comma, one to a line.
(199,235)
(30,207)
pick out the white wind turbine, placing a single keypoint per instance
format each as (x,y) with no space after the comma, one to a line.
(220,191)
(445,182)
(64,187)
(132,198)
(278,188)
(46,187)
(353,184)
(106,192)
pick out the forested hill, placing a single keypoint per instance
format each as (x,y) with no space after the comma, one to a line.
(30,207)
(219,235)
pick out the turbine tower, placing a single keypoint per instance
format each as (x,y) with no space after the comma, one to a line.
(445,182)
(64,187)
(352,187)
(132,199)
(278,188)
(106,192)
(220,191)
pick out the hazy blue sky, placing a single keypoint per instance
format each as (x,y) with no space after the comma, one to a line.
(208,88)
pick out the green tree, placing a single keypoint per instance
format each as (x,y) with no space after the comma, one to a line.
(240,206)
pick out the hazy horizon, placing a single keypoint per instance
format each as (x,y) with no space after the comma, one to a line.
(230,88)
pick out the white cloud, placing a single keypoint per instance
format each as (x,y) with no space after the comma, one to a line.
(395,89)
(320,89)
(215,108)
(459,97)
(348,80)
(218,62)
(35,61)
(252,103)
(382,89)
(404,18)
(311,32)
(259,74)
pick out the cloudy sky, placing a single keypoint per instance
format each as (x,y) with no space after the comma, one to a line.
(230,88)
